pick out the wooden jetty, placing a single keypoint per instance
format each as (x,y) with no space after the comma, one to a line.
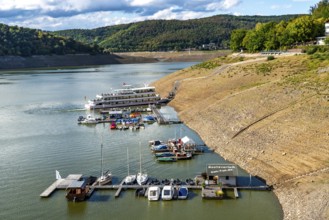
(60,184)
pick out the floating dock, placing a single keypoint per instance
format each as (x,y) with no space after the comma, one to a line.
(208,191)
(60,184)
(163,120)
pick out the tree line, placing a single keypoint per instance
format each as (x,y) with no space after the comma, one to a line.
(166,35)
(18,41)
(284,34)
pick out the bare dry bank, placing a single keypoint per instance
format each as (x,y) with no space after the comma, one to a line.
(269,117)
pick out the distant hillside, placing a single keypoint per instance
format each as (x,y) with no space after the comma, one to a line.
(164,35)
(18,41)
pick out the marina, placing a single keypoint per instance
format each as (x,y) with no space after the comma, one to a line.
(40,135)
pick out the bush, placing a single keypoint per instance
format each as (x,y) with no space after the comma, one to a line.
(270,58)
(311,50)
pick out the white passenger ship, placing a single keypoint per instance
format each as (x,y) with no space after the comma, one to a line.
(128,96)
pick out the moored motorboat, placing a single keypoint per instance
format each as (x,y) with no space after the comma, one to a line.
(155,143)
(165,154)
(154,193)
(166,159)
(88,120)
(149,119)
(160,148)
(182,192)
(167,192)
(113,126)
(183,155)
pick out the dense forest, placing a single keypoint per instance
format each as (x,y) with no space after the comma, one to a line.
(282,35)
(20,41)
(164,35)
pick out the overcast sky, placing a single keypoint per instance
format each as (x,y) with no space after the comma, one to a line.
(86,14)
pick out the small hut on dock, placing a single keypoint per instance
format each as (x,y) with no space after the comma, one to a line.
(226,174)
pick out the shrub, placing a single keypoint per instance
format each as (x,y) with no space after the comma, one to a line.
(270,58)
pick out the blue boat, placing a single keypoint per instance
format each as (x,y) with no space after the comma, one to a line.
(182,192)
(165,154)
(160,148)
(149,119)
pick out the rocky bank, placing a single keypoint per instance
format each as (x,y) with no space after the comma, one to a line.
(269,117)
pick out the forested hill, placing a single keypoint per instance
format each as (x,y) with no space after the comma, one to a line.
(18,41)
(163,35)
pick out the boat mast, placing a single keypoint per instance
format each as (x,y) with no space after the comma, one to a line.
(102,156)
(140,158)
(128,160)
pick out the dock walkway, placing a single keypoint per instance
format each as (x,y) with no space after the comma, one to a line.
(210,191)
(60,184)
(161,119)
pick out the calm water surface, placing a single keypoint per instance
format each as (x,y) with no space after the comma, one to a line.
(39,134)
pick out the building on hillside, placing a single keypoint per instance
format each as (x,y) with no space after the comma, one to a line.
(226,174)
(320,40)
(210,46)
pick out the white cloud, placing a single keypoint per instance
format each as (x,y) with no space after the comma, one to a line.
(143,2)
(222,5)
(170,13)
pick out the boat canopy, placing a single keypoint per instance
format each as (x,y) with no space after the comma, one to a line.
(77,184)
(187,140)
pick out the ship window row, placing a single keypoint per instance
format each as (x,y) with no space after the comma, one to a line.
(129,97)
(133,101)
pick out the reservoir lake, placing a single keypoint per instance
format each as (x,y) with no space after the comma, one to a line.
(39,134)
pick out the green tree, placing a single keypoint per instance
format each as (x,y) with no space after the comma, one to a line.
(320,10)
(303,29)
(237,39)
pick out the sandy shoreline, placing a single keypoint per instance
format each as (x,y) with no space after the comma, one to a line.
(279,133)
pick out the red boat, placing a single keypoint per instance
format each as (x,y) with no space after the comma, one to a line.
(113,126)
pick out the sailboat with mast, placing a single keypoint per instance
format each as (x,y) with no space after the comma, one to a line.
(130,179)
(106,177)
(142,178)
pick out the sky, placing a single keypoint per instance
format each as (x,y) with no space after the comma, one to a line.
(87,14)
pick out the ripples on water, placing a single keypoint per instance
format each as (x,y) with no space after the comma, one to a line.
(39,134)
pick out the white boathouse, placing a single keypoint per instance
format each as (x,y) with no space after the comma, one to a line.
(225,174)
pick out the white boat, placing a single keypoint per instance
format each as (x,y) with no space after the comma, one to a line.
(130,179)
(154,193)
(106,177)
(88,120)
(167,193)
(128,96)
(182,192)
(141,178)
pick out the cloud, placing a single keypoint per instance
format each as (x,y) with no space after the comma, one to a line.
(54,14)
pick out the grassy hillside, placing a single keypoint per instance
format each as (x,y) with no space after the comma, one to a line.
(270,117)
(163,35)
